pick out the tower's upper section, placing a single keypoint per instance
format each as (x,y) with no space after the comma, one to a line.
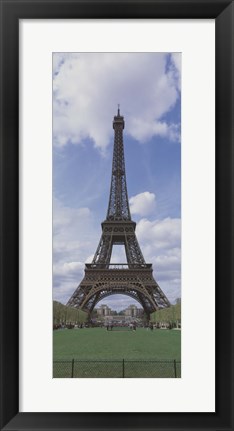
(118,208)
(118,120)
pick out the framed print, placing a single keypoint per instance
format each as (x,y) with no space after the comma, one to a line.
(74,352)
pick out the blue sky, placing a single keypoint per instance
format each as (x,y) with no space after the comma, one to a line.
(86,91)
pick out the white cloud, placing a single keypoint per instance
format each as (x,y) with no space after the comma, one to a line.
(171,258)
(161,234)
(119,302)
(160,242)
(71,230)
(68,269)
(144,130)
(89,258)
(73,237)
(87,88)
(63,289)
(118,254)
(176,68)
(65,215)
(143,203)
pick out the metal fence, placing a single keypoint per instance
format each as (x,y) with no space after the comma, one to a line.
(123,368)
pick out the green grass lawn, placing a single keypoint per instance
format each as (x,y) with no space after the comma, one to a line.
(100,345)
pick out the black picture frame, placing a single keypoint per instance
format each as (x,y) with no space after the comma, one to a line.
(11,13)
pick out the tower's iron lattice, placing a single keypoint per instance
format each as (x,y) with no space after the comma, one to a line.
(102,278)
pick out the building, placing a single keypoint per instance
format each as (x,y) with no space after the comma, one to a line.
(133,311)
(104,310)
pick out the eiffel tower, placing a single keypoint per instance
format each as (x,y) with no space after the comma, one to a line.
(102,278)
